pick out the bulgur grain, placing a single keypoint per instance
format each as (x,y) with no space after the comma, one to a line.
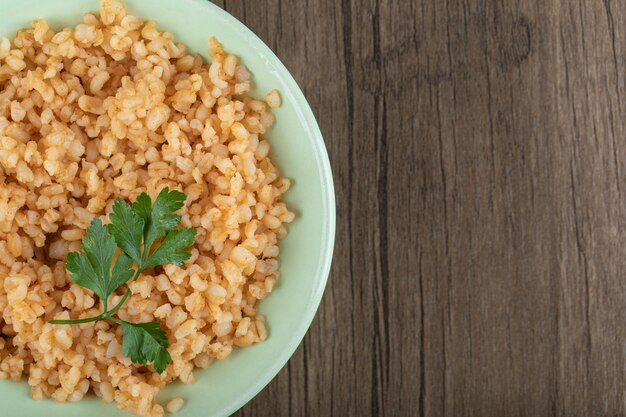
(273,99)
(174,405)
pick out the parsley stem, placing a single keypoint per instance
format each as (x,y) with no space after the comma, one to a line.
(79,321)
(115,319)
(118,305)
(124,297)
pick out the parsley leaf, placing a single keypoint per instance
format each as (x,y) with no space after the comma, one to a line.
(91,269)
(158,218)
(171,249)
(145,342)
(127,229)
(122,271)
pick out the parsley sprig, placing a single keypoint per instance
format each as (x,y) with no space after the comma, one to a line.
(147,235)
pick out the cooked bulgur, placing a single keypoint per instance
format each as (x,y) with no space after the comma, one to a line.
(111,108)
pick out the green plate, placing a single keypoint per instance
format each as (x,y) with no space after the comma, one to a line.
(297,149)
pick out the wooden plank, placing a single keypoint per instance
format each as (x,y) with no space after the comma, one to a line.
(486,224)
(591,210)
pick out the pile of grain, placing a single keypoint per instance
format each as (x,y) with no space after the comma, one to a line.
(112,108)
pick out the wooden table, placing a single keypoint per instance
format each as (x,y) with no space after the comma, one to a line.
(479,153)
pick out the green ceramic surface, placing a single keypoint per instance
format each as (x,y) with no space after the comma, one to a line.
(297,149)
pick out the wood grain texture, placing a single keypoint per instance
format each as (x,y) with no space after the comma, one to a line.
(478,150)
